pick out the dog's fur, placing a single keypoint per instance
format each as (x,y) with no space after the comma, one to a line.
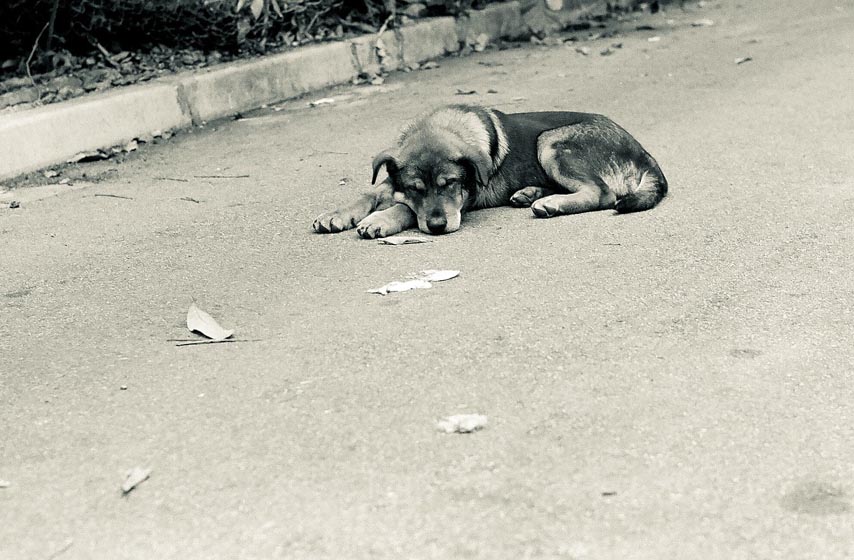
(465,157)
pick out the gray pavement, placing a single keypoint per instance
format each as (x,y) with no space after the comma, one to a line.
(673,384)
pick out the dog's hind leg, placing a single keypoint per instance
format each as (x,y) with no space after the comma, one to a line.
(584,199)
(523,198)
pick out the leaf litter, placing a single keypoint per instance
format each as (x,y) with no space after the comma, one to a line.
(462,423)
(403,240)
(200,322)
(423,280)
(134,478)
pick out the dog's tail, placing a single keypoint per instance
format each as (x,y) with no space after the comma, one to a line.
(650,189)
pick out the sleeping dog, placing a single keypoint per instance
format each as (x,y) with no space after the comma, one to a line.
(465,157)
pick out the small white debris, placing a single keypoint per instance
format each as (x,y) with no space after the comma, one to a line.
(582,50)
(401,287)
(702,23)
(322,101)
(743,59)
(654,39)
(437,275)
(134,478)
(50,173)
(462,423)
(403,240)
(5,484)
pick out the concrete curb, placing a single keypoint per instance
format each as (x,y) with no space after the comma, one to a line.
(36,138)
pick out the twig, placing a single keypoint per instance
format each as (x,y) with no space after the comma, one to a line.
(52,24)
(221,176)
(107,55)
(385,24)
(197,342)
(114,196)
(316,151)
(171,179)
(61,550)
(33,52)
(191,199)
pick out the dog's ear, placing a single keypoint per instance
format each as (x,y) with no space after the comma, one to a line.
(477,168)
(391,166)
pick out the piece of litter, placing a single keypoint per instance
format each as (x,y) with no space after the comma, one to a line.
(583,50)
(462,423)
(123,387)
(131,146)
(437,275)
(465,92)
(342,182)
(401,287)
(702,23)
(64,181)
(377,81)
(490,90)
(654,39)
(84,157)
(403,240)
(14,204)
(5,484)
(50,173)
(134,478)
(430,65)
(202,323)
(743,59)
(323,101)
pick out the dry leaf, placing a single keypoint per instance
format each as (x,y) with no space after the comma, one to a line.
(582,50)
(134,478)
(257,7)
(430,65)
(131,146)
(401,287)
(702,23)
(84,157)
(465,91)
(324,101)
(437,275)
(377,81)
(743,59)
(462,423)
(654,39)
(50,173)
(202,323)
(403,240)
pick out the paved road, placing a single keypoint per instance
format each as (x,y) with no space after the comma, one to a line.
(672,384)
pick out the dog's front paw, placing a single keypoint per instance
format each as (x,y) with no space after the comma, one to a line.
(523,198)
(376,225)
(333,222)
(544,208)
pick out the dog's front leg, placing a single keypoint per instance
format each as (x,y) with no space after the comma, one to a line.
(349,216)
(387,222)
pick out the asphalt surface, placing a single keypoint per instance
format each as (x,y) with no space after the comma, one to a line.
(677,383)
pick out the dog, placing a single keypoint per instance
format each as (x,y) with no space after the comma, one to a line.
(466,157)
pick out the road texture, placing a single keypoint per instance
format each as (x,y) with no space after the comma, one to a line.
(677,383)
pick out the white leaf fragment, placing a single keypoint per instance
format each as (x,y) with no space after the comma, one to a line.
(134,478)
(323,101)
(437,275)
(5,483)
(702,23)
(403,240)
(462,423)
(202,323)
(743,59)
(401,287)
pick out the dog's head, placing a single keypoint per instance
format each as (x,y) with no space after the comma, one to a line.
(436,175)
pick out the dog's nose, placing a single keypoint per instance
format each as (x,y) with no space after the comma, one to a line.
(437,225)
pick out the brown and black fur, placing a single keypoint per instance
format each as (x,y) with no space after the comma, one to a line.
(465,157)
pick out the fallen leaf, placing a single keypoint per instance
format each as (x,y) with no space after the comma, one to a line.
(323,101)
(489,64)
(462,423)
(606,51)
(377,80)
(702,23)
(401,287)
(134,478)
(617,45)
(14,204)
(342,182)
(5,484)
(437,275)
(490,90)
(403,240)
(131,146)
(84,157)
(582,50)
(430,65)
(50,173)
(202,323)
(743,59)
(465,92)
(654,39)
